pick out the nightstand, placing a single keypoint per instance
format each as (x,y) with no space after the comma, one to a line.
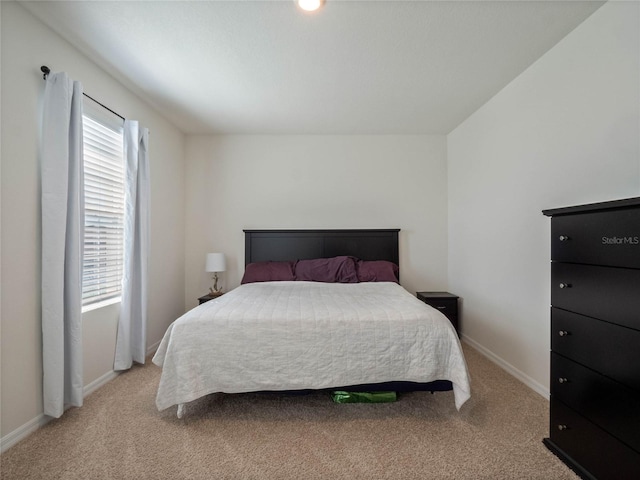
(207,297)
(446,302)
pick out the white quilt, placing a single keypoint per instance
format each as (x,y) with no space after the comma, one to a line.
(307,335)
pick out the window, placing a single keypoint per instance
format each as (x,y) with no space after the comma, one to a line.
(104,207)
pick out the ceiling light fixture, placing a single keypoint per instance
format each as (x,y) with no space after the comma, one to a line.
(310,5)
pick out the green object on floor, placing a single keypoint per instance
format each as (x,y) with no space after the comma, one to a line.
(363,397)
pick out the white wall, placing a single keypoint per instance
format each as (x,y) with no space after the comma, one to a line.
(27,44)
(246,181)
(565,132)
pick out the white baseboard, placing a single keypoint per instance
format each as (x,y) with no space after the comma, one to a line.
(107,377)
(32,425)
(24,431)
(97,383)
(523,377)
(152,348)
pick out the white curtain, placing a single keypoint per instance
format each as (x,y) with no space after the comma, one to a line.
(132,326)
(62,243)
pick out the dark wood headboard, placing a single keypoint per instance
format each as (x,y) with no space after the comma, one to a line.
(281,245)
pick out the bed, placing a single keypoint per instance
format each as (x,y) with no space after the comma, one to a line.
(294,331)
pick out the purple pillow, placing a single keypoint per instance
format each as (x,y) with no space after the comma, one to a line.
(377,271)
(330,270)
(268,272)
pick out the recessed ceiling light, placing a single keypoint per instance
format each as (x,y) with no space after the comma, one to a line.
(310,5)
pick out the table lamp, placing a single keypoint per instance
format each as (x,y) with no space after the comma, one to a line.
(215,263)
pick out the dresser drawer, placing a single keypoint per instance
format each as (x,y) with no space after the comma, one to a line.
(602,455)
(609,404)
(609,349)
(599,238)
(608,293)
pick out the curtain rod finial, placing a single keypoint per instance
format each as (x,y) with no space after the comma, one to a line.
(45,71)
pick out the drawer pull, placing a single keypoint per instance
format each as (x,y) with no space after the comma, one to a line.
(562,427)
(441,308)
(563,333)
(563,238)
(563,380)
(565,285)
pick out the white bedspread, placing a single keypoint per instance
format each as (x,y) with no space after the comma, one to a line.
(307,335)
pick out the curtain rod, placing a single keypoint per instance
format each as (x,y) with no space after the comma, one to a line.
(46,71)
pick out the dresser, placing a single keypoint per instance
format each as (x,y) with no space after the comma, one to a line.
(595,338)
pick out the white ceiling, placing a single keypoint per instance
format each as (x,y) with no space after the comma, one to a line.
(355,67)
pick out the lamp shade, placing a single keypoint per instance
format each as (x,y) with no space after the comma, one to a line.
(216,262)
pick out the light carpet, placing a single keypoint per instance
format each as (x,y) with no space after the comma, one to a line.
(119,434)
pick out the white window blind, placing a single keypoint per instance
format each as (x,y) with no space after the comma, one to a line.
(104,211)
